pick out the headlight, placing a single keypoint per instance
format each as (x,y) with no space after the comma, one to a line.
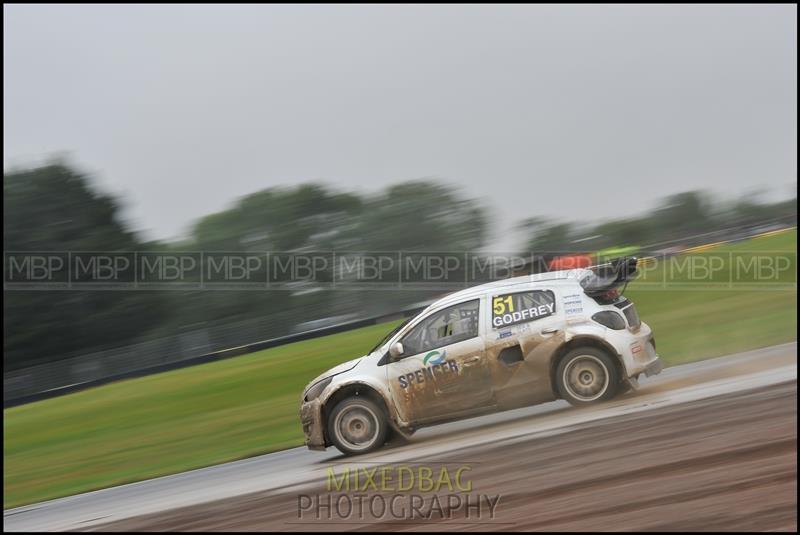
(610,319)
(316,389)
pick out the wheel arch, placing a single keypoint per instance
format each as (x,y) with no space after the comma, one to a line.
(355,389)
(583,341)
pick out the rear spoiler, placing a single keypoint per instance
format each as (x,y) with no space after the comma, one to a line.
(605,277)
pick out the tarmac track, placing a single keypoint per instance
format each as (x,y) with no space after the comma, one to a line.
(705,446)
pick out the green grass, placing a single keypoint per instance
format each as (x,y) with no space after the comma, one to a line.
(735,308)
(248,405)
(167,423)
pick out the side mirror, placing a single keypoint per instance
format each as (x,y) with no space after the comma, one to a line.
(396,350)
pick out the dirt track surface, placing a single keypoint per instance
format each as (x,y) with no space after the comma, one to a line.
(723,463)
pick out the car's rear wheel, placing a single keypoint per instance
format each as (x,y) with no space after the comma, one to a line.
(587,375)
(357,425)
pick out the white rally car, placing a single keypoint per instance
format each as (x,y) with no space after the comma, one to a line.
(499,346)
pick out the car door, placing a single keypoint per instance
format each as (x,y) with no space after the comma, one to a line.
(526,328)
(442,373)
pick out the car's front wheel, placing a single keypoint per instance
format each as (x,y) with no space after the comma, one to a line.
(587,375)
(357,425)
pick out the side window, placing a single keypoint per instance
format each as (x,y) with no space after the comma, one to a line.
(522,307)
(453,324)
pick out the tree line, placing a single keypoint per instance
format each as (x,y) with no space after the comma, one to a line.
(56,207)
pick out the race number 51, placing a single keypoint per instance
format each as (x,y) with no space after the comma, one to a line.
(501,305)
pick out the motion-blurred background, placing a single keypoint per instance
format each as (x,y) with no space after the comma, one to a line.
(537,130)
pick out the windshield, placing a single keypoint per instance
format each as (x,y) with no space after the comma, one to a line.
(390,334)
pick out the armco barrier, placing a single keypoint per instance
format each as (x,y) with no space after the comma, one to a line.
(215,342)
(101,378)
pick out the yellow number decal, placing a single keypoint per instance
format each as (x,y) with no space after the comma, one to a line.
(498,306)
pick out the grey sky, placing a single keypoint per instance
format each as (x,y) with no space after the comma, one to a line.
(577,112)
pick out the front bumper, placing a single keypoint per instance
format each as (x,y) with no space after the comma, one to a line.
(311,418)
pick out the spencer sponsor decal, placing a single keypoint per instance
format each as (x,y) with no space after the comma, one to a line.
(509,309)
(435,357)
(429,373)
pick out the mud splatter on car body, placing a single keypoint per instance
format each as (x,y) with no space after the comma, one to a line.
(493,347)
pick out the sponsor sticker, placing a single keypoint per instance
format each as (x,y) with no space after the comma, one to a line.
(573,305)
(521,307)
(428,373)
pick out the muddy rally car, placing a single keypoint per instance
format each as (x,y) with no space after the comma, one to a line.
(503,345)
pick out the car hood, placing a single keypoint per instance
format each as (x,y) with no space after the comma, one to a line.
(336,370)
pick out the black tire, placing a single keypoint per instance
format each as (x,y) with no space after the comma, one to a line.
(357,425)
(587,375)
